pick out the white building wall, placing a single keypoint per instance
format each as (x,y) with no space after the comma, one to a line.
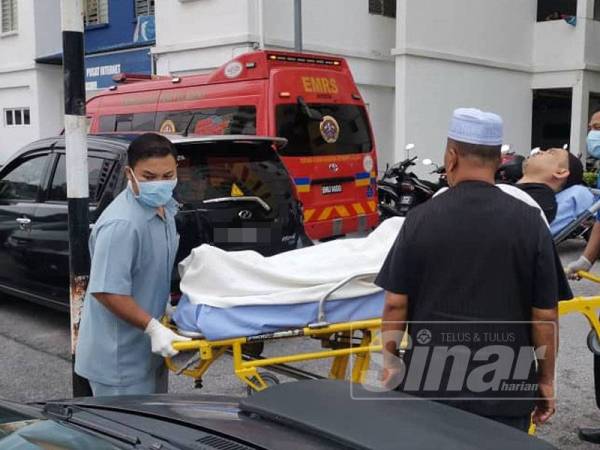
(16,91)
(198,36)
(592,47)
(17,79)
(432,89)
(47,20)
(490,55)
(48,115)
(558,46)
(498,31)
(18,48)
(342,27)
(464,53)
(23,83)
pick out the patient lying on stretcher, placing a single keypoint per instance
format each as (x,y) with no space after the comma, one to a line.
(554,179)
(233,294)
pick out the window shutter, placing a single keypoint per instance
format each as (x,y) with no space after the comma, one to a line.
(9,15)
(96,12)
(144,7)
(102,11)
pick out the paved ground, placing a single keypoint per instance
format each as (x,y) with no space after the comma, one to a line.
(35,363)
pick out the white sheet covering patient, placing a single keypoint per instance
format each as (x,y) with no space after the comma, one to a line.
(221,279)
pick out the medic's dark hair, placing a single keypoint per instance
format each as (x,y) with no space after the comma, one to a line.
(486,154)
(149,145)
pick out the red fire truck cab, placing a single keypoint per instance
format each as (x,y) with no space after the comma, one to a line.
(311,100)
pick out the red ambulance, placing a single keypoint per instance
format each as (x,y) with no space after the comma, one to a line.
(311,100)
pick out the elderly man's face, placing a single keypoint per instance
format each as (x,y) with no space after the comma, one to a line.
(550,162)
(594,122)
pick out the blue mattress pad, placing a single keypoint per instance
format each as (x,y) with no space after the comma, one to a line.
(225,323)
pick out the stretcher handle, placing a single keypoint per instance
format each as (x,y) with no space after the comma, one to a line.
(588,276)
(595,191)
(321,320)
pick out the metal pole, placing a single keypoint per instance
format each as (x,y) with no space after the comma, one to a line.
(77,169)
(298,25)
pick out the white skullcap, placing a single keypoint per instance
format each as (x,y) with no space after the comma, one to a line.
(473,126)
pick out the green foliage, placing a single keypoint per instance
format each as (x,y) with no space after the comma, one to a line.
(590,178)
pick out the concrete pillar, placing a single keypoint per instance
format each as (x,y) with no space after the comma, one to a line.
(400,109)
(579,114)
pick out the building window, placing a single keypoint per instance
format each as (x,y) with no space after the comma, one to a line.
(556,10)
(15,117)
(385,8)
(596,9)
(144,7)
(9,15)
(96,12)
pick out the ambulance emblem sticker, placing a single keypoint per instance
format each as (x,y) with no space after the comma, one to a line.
(168,126)
(330,130)
(233,69)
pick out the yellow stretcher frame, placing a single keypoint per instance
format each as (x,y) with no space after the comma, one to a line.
(247,371)
(588,306)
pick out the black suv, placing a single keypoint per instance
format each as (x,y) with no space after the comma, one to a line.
(234,192)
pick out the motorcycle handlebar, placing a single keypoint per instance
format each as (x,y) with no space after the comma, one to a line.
(401,166)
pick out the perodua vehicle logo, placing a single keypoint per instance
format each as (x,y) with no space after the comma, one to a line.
(334,167)
(245,214)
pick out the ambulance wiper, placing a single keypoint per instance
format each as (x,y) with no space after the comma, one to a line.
(309,112)
(186,130)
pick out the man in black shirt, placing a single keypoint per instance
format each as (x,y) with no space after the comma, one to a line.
(469,257)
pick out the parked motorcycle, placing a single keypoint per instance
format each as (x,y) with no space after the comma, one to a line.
(511,166)
(440,171)
(400,190)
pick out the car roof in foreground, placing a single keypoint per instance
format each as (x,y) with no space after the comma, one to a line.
(343,414)
(217,414)
(357,417)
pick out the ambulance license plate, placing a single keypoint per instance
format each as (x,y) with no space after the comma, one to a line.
(331,189)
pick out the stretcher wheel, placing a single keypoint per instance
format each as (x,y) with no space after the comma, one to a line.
(593,342)
(268,378)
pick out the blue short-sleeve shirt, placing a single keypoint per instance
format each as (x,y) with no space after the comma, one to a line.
(133,252)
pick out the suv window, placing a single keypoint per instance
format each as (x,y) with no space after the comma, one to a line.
(209,121)
(218,121)
(99,171)
(214,170)
(107,123)
(23,181)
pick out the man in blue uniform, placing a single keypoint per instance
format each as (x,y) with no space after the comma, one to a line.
(133,247)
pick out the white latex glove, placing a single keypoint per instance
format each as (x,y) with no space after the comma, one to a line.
(169,310)
(582,263)
(162,338)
